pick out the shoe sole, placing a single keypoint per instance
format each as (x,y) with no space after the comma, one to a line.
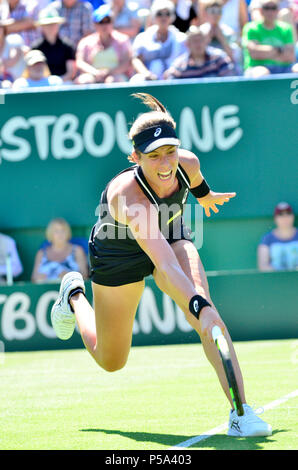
(71,318)
(256,434)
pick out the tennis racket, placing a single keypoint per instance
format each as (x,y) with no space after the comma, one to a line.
(225,355)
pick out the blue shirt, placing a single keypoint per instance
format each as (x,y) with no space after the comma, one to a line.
(283,253)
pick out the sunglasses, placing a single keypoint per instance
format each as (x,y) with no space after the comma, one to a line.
(106,20)
(215,10)
(270,7)
(283,213)
(163,13)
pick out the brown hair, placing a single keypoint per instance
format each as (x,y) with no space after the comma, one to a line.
(157,115)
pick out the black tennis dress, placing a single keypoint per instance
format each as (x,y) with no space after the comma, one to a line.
(115,256)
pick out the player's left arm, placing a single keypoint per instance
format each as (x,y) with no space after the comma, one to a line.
(205,196)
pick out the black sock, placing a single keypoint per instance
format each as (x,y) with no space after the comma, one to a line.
(75,291)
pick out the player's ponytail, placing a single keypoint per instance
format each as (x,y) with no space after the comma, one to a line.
(150,102)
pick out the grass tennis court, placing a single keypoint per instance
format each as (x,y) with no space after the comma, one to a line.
(164,396)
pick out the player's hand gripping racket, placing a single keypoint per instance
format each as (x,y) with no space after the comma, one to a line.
(224,352)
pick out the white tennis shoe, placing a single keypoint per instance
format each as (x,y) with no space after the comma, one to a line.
(62,316)
(247,425)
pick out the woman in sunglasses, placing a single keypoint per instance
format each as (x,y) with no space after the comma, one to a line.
(104,56)
(136,236)
(278,249)
(155,49)
(221,35)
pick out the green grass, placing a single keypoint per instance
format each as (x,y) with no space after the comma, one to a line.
(164,395)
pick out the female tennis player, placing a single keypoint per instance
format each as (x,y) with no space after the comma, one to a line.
(133,239)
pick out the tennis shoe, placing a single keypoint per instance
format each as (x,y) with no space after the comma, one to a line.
(62,316)
(248,425)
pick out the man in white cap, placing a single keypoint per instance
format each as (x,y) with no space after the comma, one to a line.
(36,72)
(59,51)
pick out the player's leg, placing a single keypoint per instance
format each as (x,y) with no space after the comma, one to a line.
(107,330)
(191,264)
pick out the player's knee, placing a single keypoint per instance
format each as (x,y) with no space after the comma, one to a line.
(112,364)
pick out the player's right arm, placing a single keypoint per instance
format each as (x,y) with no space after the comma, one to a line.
(142,219)
(128,205)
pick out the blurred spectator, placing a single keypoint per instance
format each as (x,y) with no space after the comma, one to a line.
(104,56)
(155,49)
(25,13)
(10,263)
(36,73)
(286,12)
(186,13)
(294,9)
(221,35)
(200,60)
(11,52)
(268,45)
(125,17)
(59,52)
(235,15)
(278,249)
(60,256)
(78,19)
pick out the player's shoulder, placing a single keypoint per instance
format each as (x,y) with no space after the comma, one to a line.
(125,187)
(189,162)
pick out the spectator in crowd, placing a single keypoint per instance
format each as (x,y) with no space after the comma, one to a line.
(278,249)
(268,45)
(78,19)
(235,15)
(104,56)
(125,17)
(200,60)
(60,255)
(221,35)
(11,52)
(285,13)
(25,15)
(159,45)
(36,73)
(186,14)
(10,263)
(294,10)
(59,52)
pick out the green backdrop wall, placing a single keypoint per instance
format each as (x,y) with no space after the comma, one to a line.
(253,305)
(60,148)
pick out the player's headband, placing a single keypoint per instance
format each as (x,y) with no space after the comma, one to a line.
(156,136)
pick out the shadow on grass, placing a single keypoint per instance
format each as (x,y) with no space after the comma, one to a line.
(217,441)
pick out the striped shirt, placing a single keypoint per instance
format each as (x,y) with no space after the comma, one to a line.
(217,64)
(24,10)
(78,20)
